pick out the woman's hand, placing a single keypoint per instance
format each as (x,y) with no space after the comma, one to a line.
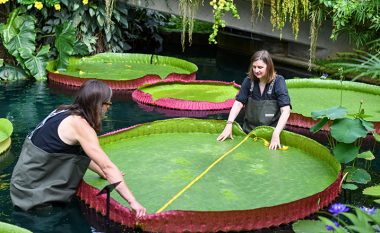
(275,142)
(227,132)
(138,208)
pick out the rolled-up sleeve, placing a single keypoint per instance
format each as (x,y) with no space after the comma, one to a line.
(281,92)
(243,94)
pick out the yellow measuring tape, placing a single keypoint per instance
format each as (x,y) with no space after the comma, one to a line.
(266,143)
(202,174)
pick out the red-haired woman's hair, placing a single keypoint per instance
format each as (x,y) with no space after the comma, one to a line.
(89,101)
(265,57)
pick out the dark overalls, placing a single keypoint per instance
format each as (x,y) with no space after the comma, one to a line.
(261,112)
(40,177)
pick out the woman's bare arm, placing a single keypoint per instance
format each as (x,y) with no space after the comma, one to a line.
(88,139)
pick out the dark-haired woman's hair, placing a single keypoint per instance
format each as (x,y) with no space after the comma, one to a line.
(264,56)
(89,101)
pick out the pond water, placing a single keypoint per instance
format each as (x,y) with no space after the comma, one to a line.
(26,103)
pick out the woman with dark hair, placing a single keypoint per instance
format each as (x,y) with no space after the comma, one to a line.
(265,97)
(56,154)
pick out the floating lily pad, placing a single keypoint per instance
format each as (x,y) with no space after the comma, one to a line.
(6,129)
(251,188)
(9,228)
(310,95)
(123,71)
(188,95)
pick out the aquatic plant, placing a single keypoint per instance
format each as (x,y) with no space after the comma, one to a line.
(345,138)
(342,218)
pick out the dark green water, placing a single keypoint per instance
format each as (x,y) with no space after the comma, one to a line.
(25,104)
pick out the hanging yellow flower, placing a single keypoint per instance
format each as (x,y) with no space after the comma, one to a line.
(57,7)
(85,2)
(3,1)
(38,5)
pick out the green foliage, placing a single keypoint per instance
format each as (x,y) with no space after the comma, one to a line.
(373,191)
(34,24)
(6,129)
(357,220)
(9,73)
(19,38)
(345,139)
(220,8)
(360,19)
(9,228)
(65,44)
(36,64)
(19,32)
(357,64)
(309,226)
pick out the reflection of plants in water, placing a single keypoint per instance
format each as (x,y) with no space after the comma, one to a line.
(4,182)
(345,138)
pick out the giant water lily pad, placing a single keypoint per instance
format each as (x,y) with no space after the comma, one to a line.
(123,71)
(6,129)
(10,228)
(188,95)
(251,188)
(311,95)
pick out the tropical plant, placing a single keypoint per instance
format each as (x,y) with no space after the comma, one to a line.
(345,138)
(342,218)
(359,64)
(19,38)
(360,19)
(89,32)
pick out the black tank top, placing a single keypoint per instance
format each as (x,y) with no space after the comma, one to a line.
(48,140)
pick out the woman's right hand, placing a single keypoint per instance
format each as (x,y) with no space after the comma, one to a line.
(227,132)
(138,208)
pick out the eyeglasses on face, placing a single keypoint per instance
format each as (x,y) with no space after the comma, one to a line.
(109,103)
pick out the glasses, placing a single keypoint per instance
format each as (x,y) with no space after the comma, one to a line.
(109,103)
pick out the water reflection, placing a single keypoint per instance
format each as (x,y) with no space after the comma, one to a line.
(52,219)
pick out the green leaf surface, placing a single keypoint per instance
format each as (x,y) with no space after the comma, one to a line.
(10,73)
(357,175)
(348,130)
(368,155)
(315,128)
(6,129)
(19,32)
(349,186)
(367,125)
(327,221)
(9,228)
(36,64)
(377,201)
(331,113)
(372,191)
(211,92)
(376,136)
(345,153)
(309,226)
(360,222)
(176,151)
(125,66)
(326,93)
(64,43)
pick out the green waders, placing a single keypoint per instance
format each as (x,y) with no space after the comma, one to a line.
(261,112)
(40,177)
